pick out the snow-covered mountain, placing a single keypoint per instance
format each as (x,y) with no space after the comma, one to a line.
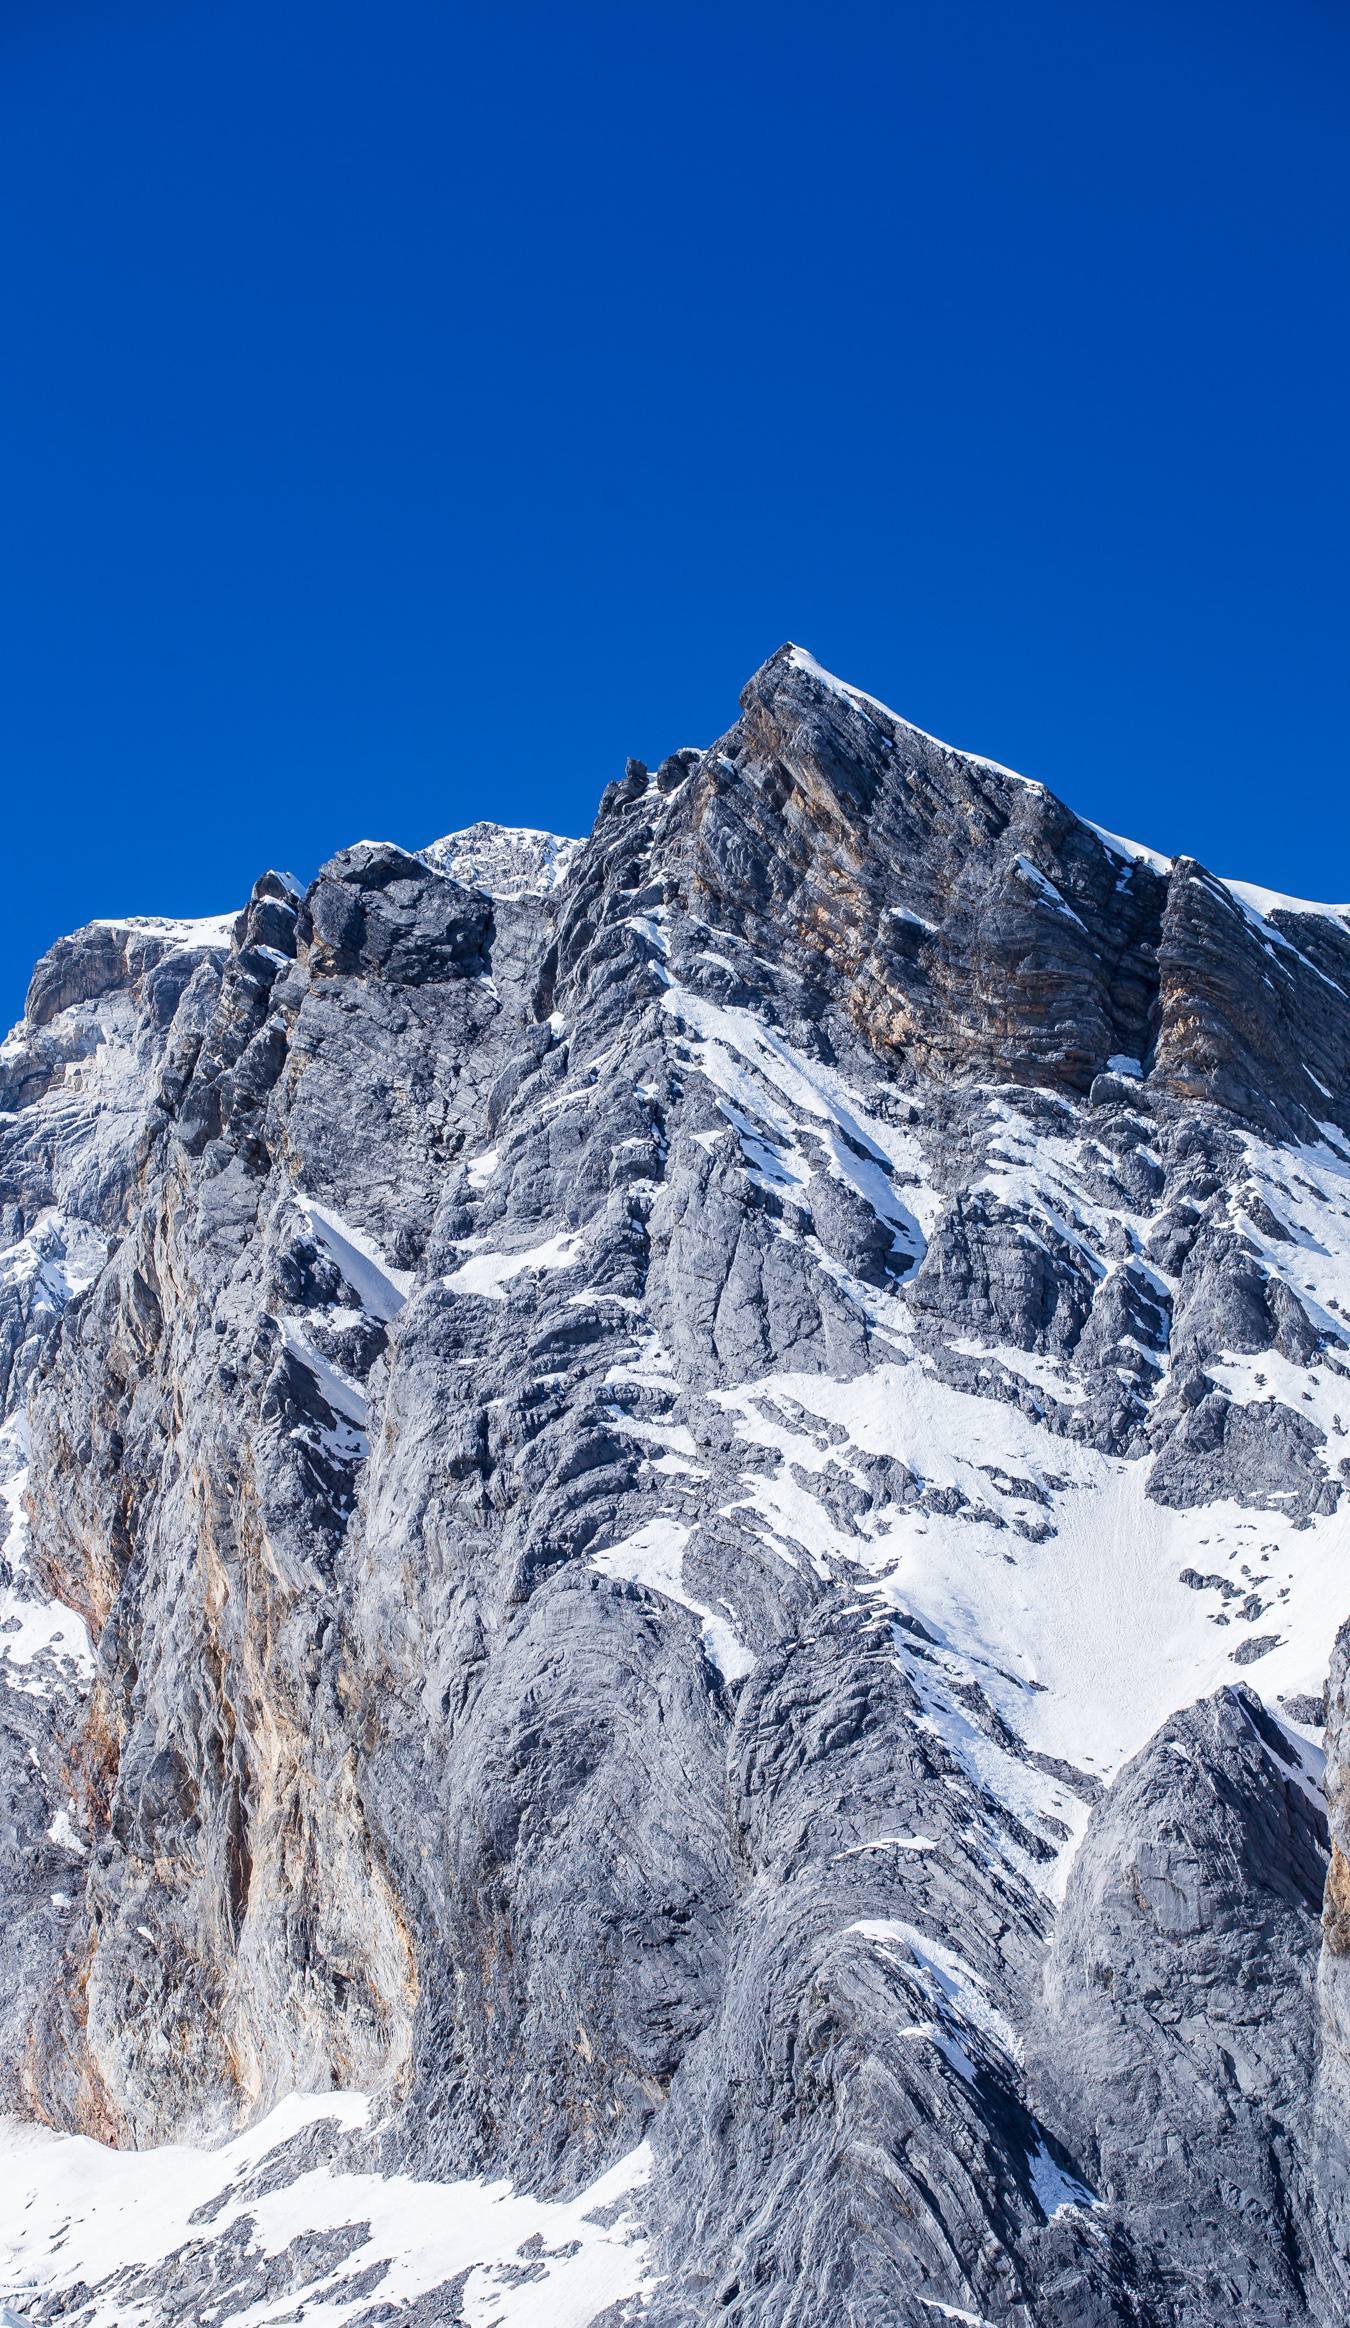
(507,861)
(677,1520)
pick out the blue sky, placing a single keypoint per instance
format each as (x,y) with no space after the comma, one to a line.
(410,410)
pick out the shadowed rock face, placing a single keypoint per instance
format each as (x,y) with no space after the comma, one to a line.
(972,925)
(1177,2026)
(967,922)
(688,1489)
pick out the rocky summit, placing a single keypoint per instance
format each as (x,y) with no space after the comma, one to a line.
(676,1526)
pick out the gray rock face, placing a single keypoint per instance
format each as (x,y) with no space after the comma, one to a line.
(675,1508)
(1177,2028)
(1331,2141)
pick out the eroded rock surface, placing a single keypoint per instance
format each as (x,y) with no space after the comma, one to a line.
(678,1507)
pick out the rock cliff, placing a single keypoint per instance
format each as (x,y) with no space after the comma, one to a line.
(677,1514)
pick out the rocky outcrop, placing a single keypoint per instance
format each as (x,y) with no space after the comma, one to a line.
(638,1451)
(506,863)
(1177,2027)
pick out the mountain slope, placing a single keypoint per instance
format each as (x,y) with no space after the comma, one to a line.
(706,1474)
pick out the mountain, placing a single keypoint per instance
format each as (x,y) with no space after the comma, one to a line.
(677,1527)
(508,862)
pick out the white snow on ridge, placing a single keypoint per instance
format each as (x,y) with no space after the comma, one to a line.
(1271,936)
(212,929)
(802,661)
(1256,902)
(1265,902)
(508,861)
(1134,851)
(76,2211)
(1262,902)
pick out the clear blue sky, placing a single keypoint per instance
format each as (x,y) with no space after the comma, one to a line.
(409,409)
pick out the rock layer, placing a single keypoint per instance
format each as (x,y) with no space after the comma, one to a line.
(684,1498)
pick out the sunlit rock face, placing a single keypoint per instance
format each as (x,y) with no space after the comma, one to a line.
(676,1516)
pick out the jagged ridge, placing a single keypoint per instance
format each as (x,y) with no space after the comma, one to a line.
(654,1431)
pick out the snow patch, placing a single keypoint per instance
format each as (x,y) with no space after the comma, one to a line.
(507,861)
(76,2212)
(1082,1642)
(381,1289)
(488,1274)
(1265,902)
(212,930)
(776,1100)
(654,1556)
(1133,852)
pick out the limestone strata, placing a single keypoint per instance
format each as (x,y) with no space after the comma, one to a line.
(680,1491)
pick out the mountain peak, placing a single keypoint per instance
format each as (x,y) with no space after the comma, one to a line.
(633,1541)
(508,861)
(794,669)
